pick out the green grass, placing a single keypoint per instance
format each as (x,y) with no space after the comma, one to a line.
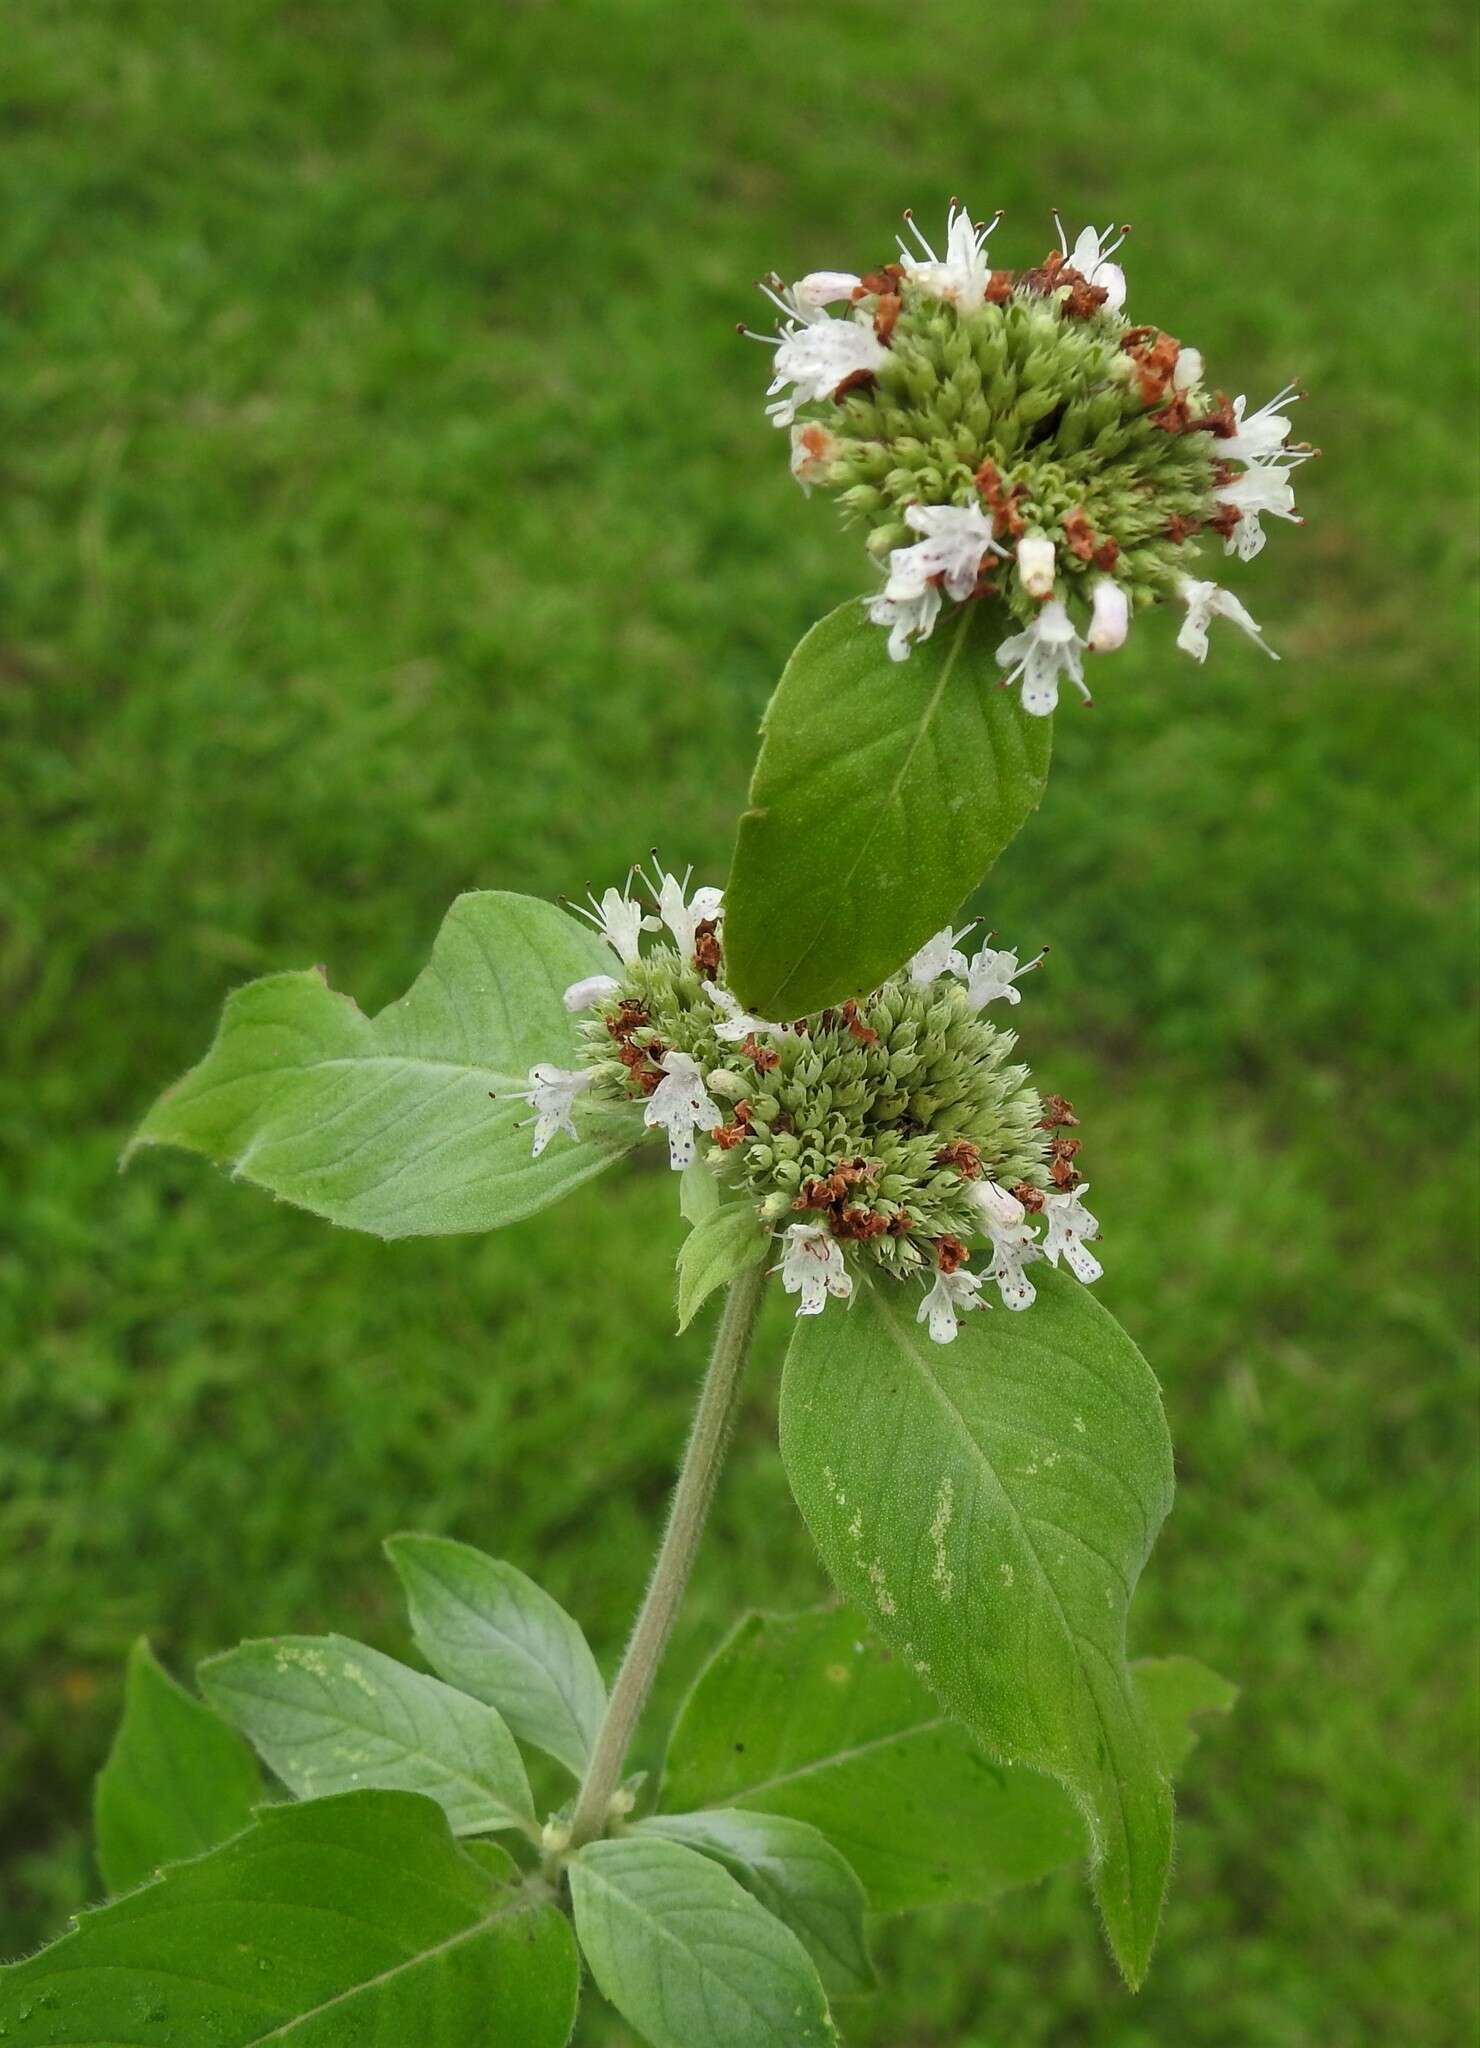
(388,510)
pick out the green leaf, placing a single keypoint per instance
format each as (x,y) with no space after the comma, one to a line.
(795,1873)
(698,1191)
(340,1922)
(714,1253)
(177,1779)
(494,1633)
(883,793)
(687,1956)
(809,1715)
(328,1715)
(990,1503)
(1174,1692)
(407,1123)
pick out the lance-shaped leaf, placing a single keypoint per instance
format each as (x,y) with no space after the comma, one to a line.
(327,1715)
(810,1715)
(407,1123)
(717,1249)
(686,1955)
(883,792)
(795,1873)
(990,1504)
(347,1920)
(494,1633)
(177,1779)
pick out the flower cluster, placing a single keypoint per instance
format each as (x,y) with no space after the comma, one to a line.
(896,1132)
(1012,434)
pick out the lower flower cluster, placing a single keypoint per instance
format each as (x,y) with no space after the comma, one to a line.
(896,1133)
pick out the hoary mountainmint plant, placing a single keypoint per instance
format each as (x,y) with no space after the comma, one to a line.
(443,1848)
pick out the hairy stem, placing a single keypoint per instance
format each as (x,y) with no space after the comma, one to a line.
(708,1439)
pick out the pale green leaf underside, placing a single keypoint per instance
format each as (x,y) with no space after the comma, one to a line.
(336,1924)
(882,794)
(329,1715)
(407,1123)
(495,1634)
(796,1873)
(687,1956)
(177,1780)
(725,1244)
(990,1504)
(810,1715)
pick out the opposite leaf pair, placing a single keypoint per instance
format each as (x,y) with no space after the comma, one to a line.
(730,1915)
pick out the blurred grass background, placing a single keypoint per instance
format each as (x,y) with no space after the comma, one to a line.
(387,511)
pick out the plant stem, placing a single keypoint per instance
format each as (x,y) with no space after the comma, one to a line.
(708,1439)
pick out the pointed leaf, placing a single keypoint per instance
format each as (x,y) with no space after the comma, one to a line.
(883,793)
(795,1873)
(407,1123)
(343,1921)
(177,1779)
(1037,1472)
(715,1252)
(327,1715)
(494,1633)
(809,1715)
(687,1956)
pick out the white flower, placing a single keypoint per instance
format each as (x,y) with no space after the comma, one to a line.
(963,273)
(816,355)
(812,1266)
(956,540)
(908,618)
(1069,1224)
(1035,564)
(951,1296)
(737,1023)
(1205,602)
(1050,645)
(1110,617)
(681,1105)
(674,909)
(619,920)
(1187,370)
(1263,488)
(1091,255)
(820,288)
(594,989)
(1264,433)
(813,447)
(938,956)
(1013,1242)
(551,1093)
(991,975)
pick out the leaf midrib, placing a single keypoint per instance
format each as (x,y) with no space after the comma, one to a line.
(1072,1636)
(490,1920)
(835,1760)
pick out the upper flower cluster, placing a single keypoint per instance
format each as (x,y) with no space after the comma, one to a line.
(1011,434)
(897,1130)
